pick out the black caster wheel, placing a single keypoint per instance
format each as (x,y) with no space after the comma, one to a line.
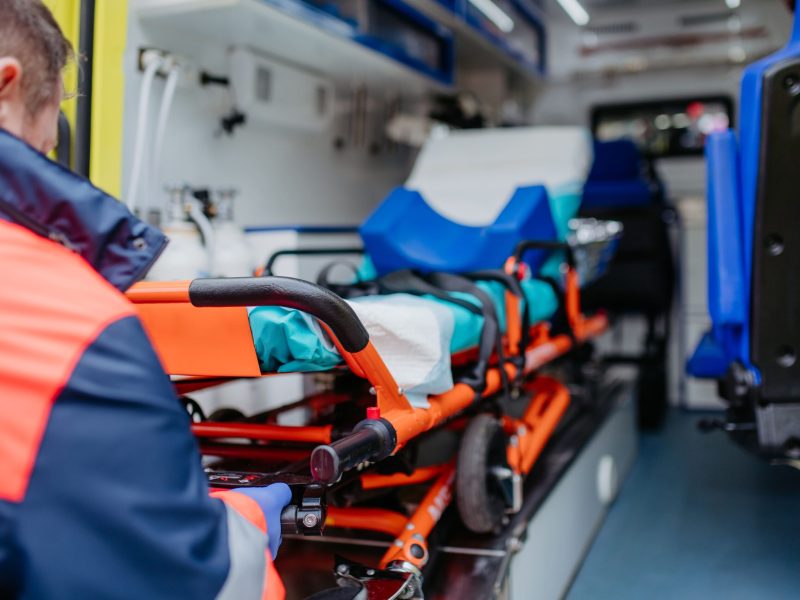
(226,415)
(481,458)
(196,413)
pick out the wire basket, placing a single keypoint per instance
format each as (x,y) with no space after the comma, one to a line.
(593,243)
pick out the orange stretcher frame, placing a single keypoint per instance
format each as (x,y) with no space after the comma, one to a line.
(212,345)
(216,342)
(528,435)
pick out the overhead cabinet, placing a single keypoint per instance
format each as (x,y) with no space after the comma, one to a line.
(400,44)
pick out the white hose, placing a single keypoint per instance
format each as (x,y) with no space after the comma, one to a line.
(202,222)
(141,131)
(161,128)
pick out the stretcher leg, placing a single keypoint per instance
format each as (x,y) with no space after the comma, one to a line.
(411,546)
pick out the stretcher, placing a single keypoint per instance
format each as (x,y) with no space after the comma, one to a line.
(362,446)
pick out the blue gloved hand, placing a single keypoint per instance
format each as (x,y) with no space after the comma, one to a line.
(272,500)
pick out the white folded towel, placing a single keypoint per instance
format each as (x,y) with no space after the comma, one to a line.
(413,337)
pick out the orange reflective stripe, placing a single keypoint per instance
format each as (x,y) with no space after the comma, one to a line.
(52,306)
(245,506)
(273,586)
(250,510)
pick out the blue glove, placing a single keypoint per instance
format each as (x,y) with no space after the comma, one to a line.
(272,500)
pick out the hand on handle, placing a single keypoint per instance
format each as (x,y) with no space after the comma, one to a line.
(272,500)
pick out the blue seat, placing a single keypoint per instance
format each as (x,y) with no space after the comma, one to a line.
(404,232)
(641,278)
(733,175)
(616,179)
(727,290)
(753,257)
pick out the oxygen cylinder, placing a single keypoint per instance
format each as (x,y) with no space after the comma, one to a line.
(233,256)
(185,256)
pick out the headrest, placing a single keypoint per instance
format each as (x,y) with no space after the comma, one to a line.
(616,160)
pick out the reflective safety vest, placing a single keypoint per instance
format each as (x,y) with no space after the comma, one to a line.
(102,492)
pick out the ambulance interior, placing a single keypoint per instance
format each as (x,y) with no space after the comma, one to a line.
(341,142)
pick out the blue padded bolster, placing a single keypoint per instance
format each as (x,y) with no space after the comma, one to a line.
(709,359)
(404,232)
(726,280)
(727,288)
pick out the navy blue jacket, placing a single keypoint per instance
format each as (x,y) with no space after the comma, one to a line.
(102,492)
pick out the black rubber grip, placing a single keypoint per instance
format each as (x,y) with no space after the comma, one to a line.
(289,519)
(373,440)
(284,291)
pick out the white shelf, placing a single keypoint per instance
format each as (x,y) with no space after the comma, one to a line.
(473,49)
(324,46)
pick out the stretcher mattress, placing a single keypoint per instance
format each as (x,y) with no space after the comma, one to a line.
(468,178)
(415,335)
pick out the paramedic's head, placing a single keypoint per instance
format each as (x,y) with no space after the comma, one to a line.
(33,53)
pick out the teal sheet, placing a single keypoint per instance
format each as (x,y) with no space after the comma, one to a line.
(564,204)
(290,341)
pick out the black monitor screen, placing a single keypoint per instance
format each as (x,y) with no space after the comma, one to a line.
(664,127)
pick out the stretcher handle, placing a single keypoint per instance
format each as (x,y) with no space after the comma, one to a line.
(372,440)
(289,292)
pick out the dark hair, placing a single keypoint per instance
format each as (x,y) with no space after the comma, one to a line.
(30,33)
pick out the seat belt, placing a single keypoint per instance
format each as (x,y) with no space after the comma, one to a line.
(356,289)
(560,319)
(438,285)
(491,336)
(512,285)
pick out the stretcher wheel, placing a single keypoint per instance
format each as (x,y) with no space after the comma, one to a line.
(226,415)
(196,413)
(480,500)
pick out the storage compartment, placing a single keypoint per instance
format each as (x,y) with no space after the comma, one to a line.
(398,31)
(384,43)
(514,25)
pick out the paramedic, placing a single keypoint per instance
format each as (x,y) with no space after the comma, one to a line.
(102,493)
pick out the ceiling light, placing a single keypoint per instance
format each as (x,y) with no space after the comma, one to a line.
(733,3)
(495,14)
(575,11)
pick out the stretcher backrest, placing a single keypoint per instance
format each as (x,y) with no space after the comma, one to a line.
(468,176)
(617,177)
